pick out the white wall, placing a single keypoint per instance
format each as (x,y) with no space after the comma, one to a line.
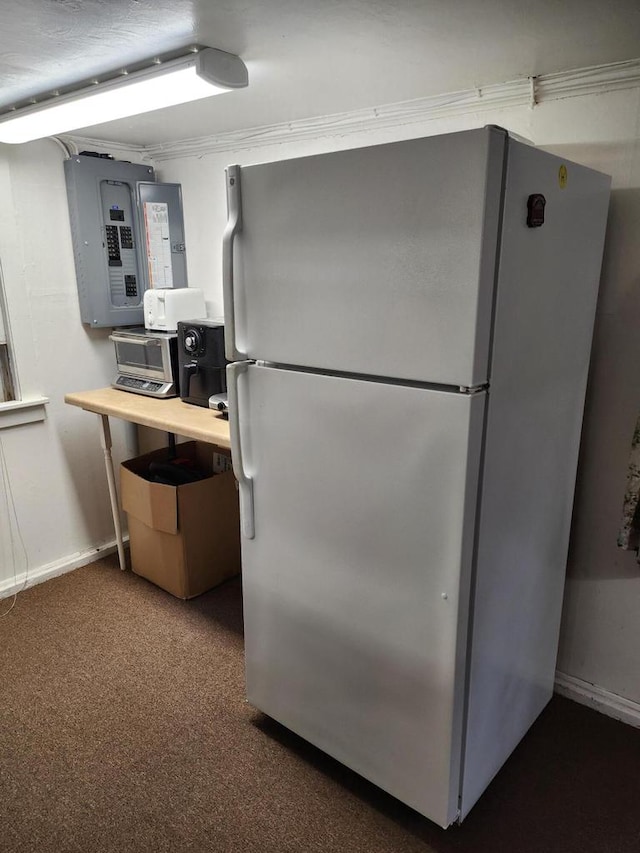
(55,468)
(600,640)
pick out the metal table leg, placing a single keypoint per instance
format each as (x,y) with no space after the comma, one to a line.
(105,439)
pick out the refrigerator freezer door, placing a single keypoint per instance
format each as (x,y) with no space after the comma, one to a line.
(377,261)
(356,583)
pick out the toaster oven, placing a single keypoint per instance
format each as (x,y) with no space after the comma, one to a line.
(147,362)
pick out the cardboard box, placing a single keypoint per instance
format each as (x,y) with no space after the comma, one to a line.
(185,539)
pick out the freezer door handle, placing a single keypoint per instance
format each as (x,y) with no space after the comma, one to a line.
(234,224)
(245,483)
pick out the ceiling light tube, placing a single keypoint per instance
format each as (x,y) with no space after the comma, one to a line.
(164,84)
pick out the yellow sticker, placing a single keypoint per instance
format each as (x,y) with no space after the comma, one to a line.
(562,176)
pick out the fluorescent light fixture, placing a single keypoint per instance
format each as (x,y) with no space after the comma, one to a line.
(178,80)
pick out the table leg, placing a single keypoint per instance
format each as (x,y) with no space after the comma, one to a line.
(105,438)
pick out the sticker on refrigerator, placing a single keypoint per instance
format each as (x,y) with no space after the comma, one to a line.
(562,176)
(156,220)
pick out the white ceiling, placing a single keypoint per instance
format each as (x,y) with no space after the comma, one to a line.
(306,57)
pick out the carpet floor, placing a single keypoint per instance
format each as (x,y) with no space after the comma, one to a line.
(123,727)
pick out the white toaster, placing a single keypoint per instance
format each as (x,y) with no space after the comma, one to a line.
(164,307)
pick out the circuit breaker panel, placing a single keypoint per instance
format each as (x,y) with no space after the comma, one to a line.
(118,214)
(128,235)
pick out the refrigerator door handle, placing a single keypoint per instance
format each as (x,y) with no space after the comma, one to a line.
(245,483)
(234,224)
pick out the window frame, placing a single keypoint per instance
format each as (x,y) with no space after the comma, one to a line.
(14,411)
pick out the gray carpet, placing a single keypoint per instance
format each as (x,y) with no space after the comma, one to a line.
(123,727)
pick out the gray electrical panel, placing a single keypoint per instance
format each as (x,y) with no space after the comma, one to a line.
(128,235)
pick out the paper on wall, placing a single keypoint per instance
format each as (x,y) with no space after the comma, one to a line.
(156,220)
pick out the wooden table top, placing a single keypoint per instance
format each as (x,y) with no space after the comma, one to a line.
(171,415)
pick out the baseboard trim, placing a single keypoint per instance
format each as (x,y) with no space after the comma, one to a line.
(53,570)
(598,698)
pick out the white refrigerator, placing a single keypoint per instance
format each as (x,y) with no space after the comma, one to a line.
(410,326)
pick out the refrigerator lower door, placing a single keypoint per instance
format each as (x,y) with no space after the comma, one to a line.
(356,580)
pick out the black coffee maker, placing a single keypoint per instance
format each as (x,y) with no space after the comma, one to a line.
(201,360)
